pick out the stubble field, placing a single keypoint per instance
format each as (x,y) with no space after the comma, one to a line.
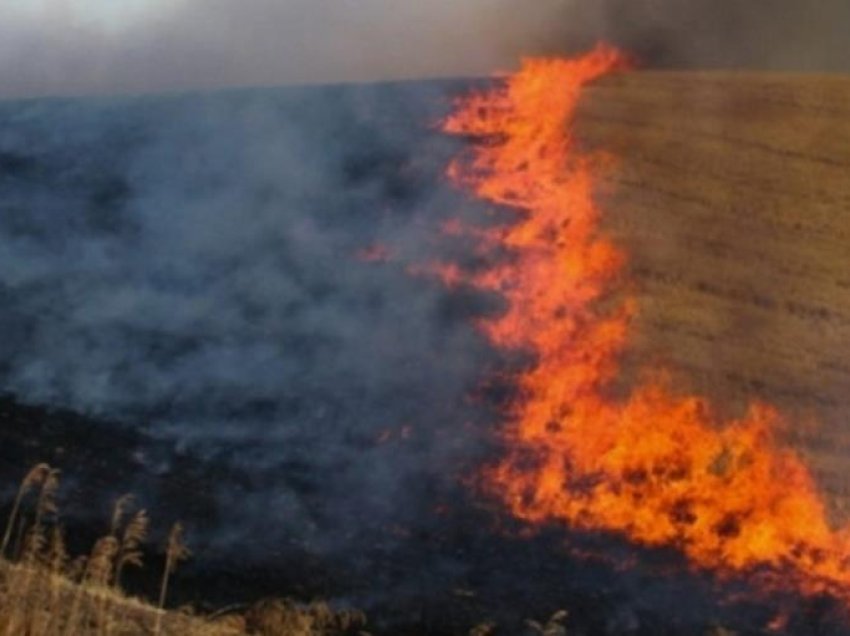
(730,194)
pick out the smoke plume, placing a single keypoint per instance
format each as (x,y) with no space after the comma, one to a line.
(88,46)
(195,267)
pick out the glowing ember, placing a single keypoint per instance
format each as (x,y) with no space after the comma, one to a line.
(655,466)
(376,253)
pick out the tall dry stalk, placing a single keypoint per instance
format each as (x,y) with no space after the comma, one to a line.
(97,574)
(46,505)
(176,551)
(131,538)
(129,551)
(26,595)
(57,561)
(122,505)
(35,477)
(101,568)
(58,557)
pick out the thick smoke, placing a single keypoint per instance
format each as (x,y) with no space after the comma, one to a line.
(84,46)
(190,266)
(728,34)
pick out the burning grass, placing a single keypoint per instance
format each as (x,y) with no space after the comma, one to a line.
(657,465)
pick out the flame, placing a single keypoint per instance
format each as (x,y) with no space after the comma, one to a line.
(655,466)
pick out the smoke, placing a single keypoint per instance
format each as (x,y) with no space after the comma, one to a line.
(86,46)
(189,266)
(772,34)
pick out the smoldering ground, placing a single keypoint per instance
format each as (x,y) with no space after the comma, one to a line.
(192,267)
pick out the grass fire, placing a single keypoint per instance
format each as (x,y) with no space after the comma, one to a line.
(656,465)
(441,319)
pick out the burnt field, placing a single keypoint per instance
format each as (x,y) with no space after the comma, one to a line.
(216,302)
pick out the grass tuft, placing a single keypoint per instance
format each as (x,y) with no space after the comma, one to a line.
(46,592)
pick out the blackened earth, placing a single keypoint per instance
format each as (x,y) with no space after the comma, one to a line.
(192,311)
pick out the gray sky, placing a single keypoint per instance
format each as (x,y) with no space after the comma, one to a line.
(107,46)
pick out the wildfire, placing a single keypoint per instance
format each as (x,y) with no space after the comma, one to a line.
(655,466)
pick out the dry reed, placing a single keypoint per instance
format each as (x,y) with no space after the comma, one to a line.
(46,592)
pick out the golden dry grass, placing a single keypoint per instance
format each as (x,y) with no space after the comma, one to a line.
(37,602)
(731,195)
(45,593)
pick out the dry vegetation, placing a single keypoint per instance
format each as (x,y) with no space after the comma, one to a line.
(44,592)
(730,193)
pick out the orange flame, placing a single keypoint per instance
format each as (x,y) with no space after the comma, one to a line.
(654,466)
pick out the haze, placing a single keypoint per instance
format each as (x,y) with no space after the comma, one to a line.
(101,46)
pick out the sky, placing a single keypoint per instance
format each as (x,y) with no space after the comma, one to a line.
(64,47)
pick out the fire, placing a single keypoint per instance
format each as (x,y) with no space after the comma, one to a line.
(655,466)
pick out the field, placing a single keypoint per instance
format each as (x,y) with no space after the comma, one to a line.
(730,194)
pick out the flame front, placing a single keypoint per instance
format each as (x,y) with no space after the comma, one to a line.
(654,466)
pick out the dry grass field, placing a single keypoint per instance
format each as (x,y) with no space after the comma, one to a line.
(731,193)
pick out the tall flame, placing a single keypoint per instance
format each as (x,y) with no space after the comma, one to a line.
(654,466)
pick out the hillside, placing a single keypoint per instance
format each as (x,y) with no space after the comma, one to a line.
(208,302)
